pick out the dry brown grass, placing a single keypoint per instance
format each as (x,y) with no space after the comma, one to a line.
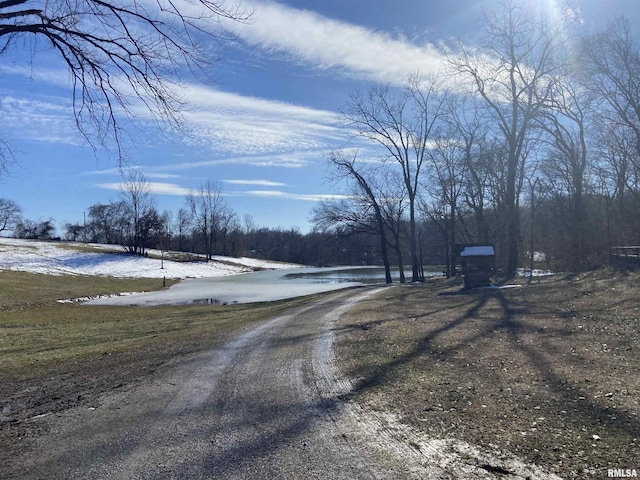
(548,371)
(20,290)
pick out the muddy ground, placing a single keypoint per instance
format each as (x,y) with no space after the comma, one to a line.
(547,371)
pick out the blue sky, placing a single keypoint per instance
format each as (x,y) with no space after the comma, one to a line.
(263,129)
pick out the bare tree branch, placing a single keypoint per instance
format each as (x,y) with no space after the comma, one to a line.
(121,51)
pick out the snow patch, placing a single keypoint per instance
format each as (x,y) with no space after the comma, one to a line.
(56,258)
(97,297)
(525,272)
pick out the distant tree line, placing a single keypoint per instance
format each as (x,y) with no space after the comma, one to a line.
(206,225)
(11,220)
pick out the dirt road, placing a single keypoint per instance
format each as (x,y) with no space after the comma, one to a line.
(267,405)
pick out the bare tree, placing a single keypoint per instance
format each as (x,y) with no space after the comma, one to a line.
(140,212)
(612,66)
(227,225)
(105,222)
(364,206)
(402,125)
(249,229)
(10,214)
(483,185)
(7,159)
(181,226)
(537,196)
(565,122)
(394,206)
(618,169)
(30,229)
(448,171)
(207,208)
(120,50)
(73,231)
(619,161)
(510,70)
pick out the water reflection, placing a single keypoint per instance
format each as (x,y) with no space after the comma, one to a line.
(359,275)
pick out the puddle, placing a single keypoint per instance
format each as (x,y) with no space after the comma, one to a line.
(360,275)
(205,301)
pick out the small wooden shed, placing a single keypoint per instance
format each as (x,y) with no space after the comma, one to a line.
(477,263)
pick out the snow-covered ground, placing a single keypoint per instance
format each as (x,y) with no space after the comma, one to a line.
(60,258)
(216,281)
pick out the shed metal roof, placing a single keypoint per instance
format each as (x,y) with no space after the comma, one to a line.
(478,251)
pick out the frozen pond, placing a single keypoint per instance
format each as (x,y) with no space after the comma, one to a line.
(264,286)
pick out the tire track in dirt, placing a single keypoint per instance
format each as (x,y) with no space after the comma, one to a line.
(422,456)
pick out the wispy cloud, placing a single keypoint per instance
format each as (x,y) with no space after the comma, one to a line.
(110,186)
(105,172)
(320,42)
(160,188)
(288,195)
(232,123)
(148,172)
(157,188)
(161,175)
(217,121)
(53,76)
(44,121)
(203,97)
(263,183)
(293,159)
(247,125)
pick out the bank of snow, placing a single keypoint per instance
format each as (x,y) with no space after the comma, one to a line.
(62,258)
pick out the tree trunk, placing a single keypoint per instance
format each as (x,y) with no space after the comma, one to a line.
(513,224)
(383,246)
(415,264)
(400,263)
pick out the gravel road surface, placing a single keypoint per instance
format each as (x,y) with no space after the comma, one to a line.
(266,406)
